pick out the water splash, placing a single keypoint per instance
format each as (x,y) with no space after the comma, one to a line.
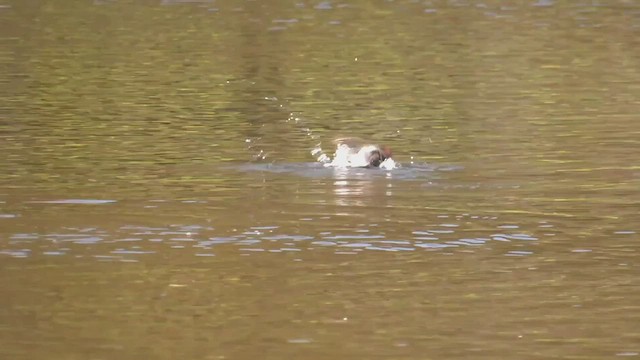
(345,157)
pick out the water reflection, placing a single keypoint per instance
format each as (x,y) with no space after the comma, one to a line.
(133,242)
(357,187)
(131,222)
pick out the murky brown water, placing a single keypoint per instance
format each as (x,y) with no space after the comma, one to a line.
(134,222)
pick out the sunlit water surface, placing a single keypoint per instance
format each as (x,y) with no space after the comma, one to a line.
(159,197)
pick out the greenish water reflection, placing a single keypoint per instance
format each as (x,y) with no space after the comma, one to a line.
(134,221)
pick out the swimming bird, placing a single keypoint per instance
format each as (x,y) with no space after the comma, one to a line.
(355,152)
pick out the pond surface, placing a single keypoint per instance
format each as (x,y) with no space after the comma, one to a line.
(159,198)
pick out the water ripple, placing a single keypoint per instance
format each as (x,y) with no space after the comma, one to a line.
(471,232)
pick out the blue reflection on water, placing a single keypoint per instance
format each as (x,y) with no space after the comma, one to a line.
(318,170)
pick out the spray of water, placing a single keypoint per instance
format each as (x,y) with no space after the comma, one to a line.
(344,156)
